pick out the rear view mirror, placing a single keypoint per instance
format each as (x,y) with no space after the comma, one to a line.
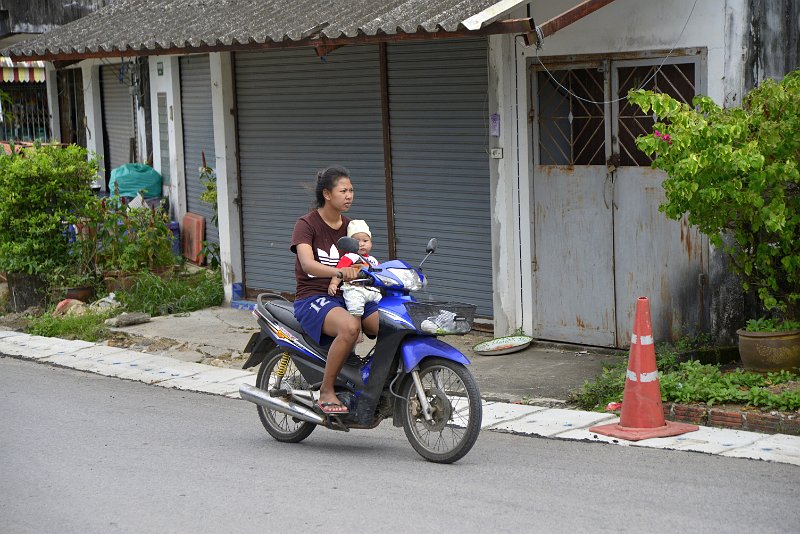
(430,249)
(432,244)
(347,245)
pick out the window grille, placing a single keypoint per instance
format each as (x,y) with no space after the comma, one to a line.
(571,131)
(27,118)
(676,80)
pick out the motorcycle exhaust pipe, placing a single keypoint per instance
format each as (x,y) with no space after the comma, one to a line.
(262,398)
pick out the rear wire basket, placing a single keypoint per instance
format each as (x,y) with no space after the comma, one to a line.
(441,318)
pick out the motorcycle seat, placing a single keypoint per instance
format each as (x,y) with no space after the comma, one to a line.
(284,312)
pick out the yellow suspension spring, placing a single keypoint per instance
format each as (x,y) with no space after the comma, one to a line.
(283,365)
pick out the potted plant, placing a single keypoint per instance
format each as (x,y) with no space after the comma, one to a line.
(132,240)
(208,179)
(77,280)
(735,173)
(43,190)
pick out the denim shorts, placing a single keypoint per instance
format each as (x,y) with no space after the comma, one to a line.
(310,312)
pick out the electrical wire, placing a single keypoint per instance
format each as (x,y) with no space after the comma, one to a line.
(644,83)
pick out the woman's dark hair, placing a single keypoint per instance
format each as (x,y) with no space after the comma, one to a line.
(326,179)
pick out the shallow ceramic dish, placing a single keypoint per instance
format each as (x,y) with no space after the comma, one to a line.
(502,345)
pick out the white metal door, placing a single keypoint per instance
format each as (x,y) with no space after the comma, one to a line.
(600,241)
(573,229)
(658,258)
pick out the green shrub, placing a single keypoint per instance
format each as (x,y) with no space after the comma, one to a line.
(176,293)
(737,171)
(607,387)
(131,239)
(43,190)
(771,325)
(610,384)
(694,382)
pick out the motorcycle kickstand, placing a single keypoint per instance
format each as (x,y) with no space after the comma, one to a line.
(423,399)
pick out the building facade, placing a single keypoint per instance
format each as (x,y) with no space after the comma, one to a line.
(515,151)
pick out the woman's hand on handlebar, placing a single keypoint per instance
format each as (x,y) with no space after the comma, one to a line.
(349,273)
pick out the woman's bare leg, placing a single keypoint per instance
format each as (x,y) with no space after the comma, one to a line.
(370,324)
(345,328)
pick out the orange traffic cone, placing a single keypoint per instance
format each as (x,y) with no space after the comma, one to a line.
(642,415)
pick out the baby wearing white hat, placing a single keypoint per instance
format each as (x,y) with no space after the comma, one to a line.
(356,295)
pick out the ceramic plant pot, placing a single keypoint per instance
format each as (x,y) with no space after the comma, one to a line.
(770,351)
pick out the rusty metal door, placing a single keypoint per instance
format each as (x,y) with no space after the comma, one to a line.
(599,240)
(656,257)
(572,267)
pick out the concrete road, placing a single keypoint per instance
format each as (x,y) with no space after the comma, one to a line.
(87,453)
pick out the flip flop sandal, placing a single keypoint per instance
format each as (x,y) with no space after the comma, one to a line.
(333,408)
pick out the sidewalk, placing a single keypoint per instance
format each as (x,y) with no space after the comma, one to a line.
(543,375)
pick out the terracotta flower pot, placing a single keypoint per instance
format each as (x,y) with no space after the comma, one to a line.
(84,294)
(118,280)
(770,351)
(163,271)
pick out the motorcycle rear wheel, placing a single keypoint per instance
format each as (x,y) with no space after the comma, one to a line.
(281,426)
(456,404)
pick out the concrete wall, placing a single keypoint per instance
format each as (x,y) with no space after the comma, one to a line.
(223,103)
(773,40)
(168,82)
(93,108)
(504,181)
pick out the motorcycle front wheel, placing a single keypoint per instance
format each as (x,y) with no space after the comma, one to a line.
(456,409)
(279,425)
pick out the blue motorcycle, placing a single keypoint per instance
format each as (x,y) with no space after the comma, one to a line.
(410,375)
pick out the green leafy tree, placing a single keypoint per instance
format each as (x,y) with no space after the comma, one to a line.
(736,171)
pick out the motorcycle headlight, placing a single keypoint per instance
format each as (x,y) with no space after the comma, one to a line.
(409,277)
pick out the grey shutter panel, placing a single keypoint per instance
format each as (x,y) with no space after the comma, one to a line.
(439,126)
(198,134)
(117,115)
(163,136)
(296,115)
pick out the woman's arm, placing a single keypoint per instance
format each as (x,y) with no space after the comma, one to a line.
(311,266)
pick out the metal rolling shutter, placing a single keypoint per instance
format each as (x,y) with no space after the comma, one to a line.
(438,117)
(198,134)
(117,116)
(296,115)
(163,136)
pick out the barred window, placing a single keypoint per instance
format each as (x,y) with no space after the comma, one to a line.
(571,130)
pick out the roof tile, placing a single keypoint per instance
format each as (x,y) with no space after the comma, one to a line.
(165,24)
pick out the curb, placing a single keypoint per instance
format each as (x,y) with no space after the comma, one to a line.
(753,421)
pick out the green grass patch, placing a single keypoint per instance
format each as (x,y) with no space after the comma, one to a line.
(87,327)
(695,382)
(176,293)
